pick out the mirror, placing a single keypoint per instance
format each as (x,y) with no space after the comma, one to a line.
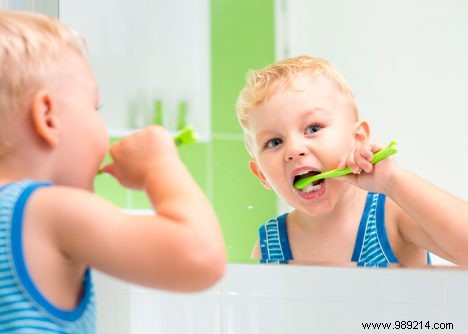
(406,62)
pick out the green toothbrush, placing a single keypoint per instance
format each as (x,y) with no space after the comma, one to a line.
(185,136)
(380,155)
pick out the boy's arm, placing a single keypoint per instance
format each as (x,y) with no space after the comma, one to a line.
(179,248)
(432,218)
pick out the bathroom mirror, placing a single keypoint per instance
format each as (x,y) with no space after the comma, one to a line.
(407,63)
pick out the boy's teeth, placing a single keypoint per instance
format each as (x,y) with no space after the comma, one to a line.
(303,172)
(311,188)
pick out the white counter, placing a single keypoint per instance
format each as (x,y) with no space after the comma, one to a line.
(277,299)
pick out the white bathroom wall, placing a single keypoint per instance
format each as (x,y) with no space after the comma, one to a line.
(113,304)
(407,62)
(123,308)
(143,51)
(48,7)
(279,299)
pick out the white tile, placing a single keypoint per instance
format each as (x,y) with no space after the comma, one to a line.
(174,313)
(456,317)
(456,287)
(112,312)
(104,282)
(302,316)
(307,299)
(112,304)
(288,299)
(335,283)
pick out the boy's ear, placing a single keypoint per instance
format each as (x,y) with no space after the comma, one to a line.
(361,131)
(258,173)
(44,119)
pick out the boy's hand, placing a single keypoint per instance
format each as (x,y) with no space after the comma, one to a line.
(140,154)
(359,158)
(366,175)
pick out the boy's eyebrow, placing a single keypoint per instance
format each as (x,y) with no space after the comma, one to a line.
(261,134)
(322,112)
(315,110)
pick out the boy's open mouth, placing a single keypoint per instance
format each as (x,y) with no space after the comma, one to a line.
(311,187)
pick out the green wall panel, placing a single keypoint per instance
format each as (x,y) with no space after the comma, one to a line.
(241,202)
(108,187)
(242,38)
(195,158)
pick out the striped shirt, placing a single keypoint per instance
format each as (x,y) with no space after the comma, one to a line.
(372,248)
(23,309)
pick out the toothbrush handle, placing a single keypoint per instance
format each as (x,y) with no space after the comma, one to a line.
(386,152)
(332,173)
(378,156)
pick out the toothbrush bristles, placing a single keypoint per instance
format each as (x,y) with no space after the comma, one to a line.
(186,136)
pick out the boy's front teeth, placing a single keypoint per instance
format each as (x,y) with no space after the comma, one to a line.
(312,187)
(305,173)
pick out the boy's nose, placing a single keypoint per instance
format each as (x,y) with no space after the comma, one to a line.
(296,155)
(295,150)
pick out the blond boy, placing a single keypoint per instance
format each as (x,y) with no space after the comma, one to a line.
(53,229)
(300,118)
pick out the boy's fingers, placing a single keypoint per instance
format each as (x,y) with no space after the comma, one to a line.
(352,163)
(109,169)
(367,151)
(363,157)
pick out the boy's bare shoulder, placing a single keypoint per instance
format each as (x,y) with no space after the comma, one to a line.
(58,204)
(54,196)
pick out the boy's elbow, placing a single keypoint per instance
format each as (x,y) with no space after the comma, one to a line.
(207,268)
(213,270)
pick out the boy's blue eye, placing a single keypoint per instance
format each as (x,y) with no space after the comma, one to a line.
(313,128)
(273,142)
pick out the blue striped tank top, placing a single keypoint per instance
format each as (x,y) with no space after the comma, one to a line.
(372,248)
(23,309)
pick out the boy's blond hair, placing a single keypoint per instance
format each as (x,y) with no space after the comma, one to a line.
(29,44)
(278,77)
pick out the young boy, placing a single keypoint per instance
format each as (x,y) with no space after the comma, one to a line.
(52,227)
(299,119)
